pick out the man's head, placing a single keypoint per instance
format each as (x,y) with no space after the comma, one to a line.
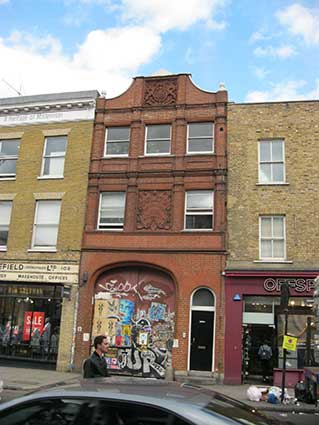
(100,343)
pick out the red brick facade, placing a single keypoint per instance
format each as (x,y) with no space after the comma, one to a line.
(153,235)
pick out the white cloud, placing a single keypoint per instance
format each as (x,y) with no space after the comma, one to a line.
(289,90)
(301,21)
(282,52)
(164,15)
(104,61)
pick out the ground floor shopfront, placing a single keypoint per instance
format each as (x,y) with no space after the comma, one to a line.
(37,302)
(254,315)
(160,314)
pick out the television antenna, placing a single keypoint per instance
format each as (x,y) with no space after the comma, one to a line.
(11,87)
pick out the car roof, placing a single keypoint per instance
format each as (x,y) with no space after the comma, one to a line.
(186,400)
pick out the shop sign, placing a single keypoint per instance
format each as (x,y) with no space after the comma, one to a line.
(37,319)
(38,272)
(299,284)
(290,343)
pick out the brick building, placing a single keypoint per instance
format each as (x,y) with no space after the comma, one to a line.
(45,146)
(154,241)
(273,233)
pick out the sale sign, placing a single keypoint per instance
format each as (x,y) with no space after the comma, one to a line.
(32,320)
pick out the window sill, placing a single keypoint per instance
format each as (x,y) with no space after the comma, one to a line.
(273,184)
(274,261)
(199,153)
(3,249)
(109,230)
(6,178)
(114,156)
(156,155)
(50,177)
(42,250)
(197,230)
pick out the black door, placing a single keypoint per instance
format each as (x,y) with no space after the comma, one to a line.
(202,340)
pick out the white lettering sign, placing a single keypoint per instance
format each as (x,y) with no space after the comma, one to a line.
(298,284)
(38,267)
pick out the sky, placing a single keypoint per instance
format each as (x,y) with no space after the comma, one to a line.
(262,50)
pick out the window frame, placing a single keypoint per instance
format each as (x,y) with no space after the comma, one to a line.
(36,226)
(106,155)
(211,191)
(161,139)
(10,176)
(48,157)
(272,162)
(3,224)
(111,227)
(201,137)
(272,238)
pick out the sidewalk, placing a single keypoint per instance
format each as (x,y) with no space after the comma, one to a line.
(25,379)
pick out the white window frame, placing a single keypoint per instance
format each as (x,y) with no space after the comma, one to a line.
(48,157)
(111,226)
(36,226)
(200,211)
(271,162)
(163,139)
(9,157)
(108,155)
(272,238)
(5,224)
(201,137)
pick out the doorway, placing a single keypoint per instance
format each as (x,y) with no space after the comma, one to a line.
(202,330)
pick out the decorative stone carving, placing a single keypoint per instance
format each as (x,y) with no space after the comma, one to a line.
(160,92)
(154,210)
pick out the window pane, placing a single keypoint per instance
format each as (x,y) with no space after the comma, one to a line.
(278,247)
(53,167)
(277,150)
(200,199)
(199,222)
(117,148)
(200,130)
(3,235)
(118,133)
(278,172)
(266,227)
(48,212)
(8,166)
(46,236)
(162,146)
(113,199)
(55,145)
(203,297)
(265,173)
(264,151)
(5,212)
(158,132)
(9,147)
(278,227)
(200,145)
(266,249)
(111,213)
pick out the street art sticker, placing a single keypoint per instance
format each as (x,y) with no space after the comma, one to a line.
(135,309)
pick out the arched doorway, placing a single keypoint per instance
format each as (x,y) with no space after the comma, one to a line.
(202,330)
(134,306)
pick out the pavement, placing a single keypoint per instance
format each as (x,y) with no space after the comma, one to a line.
(23,380)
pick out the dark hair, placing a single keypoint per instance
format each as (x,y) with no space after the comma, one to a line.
(98,340)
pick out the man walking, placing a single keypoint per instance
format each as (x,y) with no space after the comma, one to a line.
(95,366)
(265,355)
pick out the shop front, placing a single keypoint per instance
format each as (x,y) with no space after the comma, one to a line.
(254,316)
(31,310)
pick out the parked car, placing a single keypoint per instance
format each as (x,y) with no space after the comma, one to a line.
(128,401)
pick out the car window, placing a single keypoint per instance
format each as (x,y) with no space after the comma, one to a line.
(56,411)
(113,413)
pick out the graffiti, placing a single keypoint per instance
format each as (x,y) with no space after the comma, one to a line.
(157,311)
(149,362)
(152,292)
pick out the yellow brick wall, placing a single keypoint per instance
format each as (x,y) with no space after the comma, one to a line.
(298,124)
(72,188)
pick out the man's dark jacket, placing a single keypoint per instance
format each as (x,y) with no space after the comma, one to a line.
(95,366)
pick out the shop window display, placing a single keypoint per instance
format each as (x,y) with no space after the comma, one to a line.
(30,322)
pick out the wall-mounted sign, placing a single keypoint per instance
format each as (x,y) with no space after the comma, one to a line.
(290,343)
(38,272)
(298,284)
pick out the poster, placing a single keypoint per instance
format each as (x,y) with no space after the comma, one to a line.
(37,318)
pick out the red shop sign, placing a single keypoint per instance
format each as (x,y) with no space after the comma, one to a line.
(37,318)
